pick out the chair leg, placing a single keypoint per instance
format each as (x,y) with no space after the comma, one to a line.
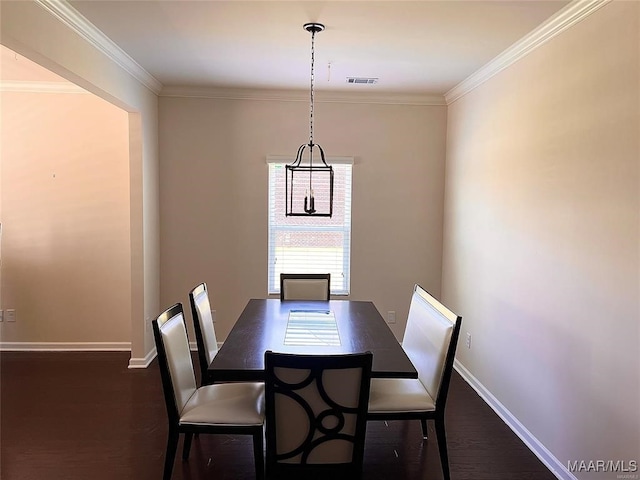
(258,454)
(172,447)
(442,446)
(425,432)
(187,445)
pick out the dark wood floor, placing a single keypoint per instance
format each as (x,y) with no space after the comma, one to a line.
(80,416)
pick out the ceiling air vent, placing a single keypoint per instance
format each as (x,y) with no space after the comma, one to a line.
(362,80)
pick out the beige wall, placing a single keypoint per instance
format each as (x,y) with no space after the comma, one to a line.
(542,240)
(214,195)
(33,32)
(65,196)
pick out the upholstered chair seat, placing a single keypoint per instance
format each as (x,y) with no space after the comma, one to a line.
(394,395)
(225,404)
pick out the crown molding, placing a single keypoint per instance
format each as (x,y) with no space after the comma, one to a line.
(79,24)
(564,19)
(302,96)
(41,87)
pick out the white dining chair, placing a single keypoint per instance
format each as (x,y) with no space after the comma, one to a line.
(305,286)
(225,408)
(316,415)
(203,326)
(430,340)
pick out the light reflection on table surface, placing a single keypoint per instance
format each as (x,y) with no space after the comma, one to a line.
(312,328)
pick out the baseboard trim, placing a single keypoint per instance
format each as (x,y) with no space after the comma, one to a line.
(538,449)
(65,346)
(146,361)
(143,362)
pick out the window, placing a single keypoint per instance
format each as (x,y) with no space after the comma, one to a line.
(310,244)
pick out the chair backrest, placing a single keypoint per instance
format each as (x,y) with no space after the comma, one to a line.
(174,357)
(316,408)
(430,340)
(305,286)
(203,326)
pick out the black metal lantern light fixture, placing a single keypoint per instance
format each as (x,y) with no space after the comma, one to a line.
(309,186)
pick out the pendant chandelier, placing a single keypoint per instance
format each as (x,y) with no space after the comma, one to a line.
(309,186)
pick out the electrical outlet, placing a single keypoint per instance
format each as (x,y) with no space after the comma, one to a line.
(391,317)
(468,340)
(11,315)
(213,316)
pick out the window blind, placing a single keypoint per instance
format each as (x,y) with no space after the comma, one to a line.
(310,244)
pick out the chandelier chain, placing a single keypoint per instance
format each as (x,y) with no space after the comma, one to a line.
(294,203)
(313,36)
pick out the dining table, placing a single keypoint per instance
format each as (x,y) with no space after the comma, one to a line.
(308,327)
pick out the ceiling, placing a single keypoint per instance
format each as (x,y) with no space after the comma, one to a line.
(412,47)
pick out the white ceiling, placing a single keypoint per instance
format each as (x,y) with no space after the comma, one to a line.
(413,47)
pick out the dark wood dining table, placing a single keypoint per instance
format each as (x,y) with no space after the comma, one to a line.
(309,327)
